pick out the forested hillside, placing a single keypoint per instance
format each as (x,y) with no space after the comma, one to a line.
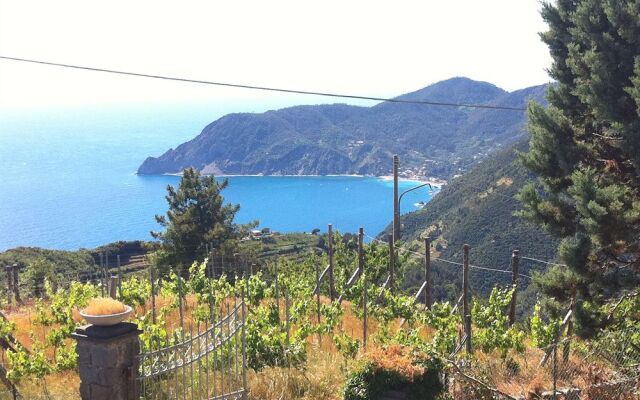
(477,208)
(341,139)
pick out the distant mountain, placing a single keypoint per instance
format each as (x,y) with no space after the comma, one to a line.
(477,209)
(342,139)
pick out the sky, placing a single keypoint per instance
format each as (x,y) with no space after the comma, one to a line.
(371,48)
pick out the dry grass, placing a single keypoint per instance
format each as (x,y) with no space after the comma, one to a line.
(321,379)
(395,358)
(529,380)
(59,386)
(104,306)
(62,385)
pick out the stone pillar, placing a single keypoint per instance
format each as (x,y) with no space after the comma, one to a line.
(108,361)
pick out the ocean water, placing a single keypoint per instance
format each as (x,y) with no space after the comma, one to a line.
(68,180)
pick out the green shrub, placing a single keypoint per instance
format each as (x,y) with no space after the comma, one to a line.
(369,382)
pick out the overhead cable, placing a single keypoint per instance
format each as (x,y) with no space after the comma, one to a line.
(264,88)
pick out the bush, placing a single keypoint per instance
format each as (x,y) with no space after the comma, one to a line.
(367,383)
(371,379)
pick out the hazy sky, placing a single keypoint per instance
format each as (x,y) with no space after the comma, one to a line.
(377,48)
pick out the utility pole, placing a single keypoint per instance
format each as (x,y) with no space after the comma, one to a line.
(396,204)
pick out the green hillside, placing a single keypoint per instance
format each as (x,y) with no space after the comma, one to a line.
(477,209)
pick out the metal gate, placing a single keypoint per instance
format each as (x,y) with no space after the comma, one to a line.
(209,364)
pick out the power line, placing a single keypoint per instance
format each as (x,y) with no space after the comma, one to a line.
(264,88)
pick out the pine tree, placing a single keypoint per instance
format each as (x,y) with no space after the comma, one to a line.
(585,148)
(197,216)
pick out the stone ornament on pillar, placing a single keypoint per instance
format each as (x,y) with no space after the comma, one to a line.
(108,361)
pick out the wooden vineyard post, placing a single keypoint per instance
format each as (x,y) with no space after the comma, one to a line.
(180,303)
(153,294)
(332,283)
(555,364)
(16,284)
(247,271)
(8,270)
(392,263)
(428,300)
(101,274)
(119,277)
(206,256)
(318,303)
(466,298)
(244,349)
(113,286)
(105,280)
(364,285)
(515,261)
(277,290)
(212,262)
(286,323)
(566,349)
(214,274)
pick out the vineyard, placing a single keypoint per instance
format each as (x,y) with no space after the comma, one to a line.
(312,332)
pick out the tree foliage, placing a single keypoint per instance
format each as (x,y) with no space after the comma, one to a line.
(197,216)
(585,148)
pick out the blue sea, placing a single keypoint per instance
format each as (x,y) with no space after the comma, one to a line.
(68,179)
